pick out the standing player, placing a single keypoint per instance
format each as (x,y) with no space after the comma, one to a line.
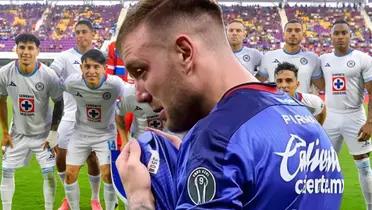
(250,58)
(66,64)
(308,63)
(347,72)
(95,94)
(286,80)
(30,84)
(233,157)
(144,116)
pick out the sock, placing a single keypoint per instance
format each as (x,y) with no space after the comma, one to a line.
(95,182)
(365,180)
(110,196)
(62,176)
(73,195)
(7,188)
(49,187)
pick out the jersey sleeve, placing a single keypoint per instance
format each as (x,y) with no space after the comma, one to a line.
(213,177)
(58,66)
(3,90)
(258,58)
(367,68)
(55,87)
(123,105)
(314,102)
(317,73)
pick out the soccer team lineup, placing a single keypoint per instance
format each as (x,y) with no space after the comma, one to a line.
(186,104)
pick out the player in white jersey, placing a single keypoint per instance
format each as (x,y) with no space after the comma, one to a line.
(144,116)
(286,80)
(347,72)
(95,94)
(66,64)
(307,63)
(29,84)
(250,58)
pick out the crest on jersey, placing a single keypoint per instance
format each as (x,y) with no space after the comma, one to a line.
(338,84)
(26,104)
(304,61)
(350,64)
(154,122)
(39,86)
(201,185)
(246,58)
(94,113)
(106,95)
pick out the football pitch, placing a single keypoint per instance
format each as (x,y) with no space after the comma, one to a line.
(28,194)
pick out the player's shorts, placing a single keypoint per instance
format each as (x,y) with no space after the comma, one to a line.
(160,157)
(345,126)
(81,146)
(65,131)
(24,147)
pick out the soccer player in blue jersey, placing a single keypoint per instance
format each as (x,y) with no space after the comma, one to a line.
(249,147)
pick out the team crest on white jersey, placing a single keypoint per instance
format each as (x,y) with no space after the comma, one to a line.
(350,64)
(304,61)
(155,122)
(26,105)
(94,113)
(39,86)
(106,95)
(338,84)
(246,58)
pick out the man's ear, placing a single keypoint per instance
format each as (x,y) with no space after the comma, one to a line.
(185,51)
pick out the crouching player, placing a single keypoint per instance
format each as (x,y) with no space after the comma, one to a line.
(95,94)
(29,84)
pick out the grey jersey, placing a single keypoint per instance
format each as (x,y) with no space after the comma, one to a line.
(66,64)
(95,113)
(144,116)
(30,97)
(308,65)
(250,58)
(344,79)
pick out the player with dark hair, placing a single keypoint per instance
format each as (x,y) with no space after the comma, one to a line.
(95,94)
(308,63)
(347,73)
(233,157)
(66,64)
(29,84)
(286,80)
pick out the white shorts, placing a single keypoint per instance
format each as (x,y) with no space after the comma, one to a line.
(24,146)
(81,146)
(65,131)
(345,126)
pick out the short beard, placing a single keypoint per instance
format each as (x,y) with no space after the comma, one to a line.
(186,112)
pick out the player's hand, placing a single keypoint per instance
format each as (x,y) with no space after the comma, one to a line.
(134,175)
(6,142)
(46,145)
(365,132)
(175,140)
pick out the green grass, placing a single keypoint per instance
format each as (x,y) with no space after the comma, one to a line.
(29,196)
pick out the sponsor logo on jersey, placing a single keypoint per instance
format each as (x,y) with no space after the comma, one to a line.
(304,61)
(246,58)
(26,105)
(106,95)
(94,112)
(350,64)
(154,122)
(12,84)
(154,162)
(201,185)
(338,84)
(78,94)
(276,61)
(138,108)
(39,86)
(315,170)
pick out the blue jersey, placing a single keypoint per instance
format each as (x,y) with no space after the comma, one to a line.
(258,149)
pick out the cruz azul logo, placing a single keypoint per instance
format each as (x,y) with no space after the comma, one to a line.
(307,163)
(94,113)
(26,105)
